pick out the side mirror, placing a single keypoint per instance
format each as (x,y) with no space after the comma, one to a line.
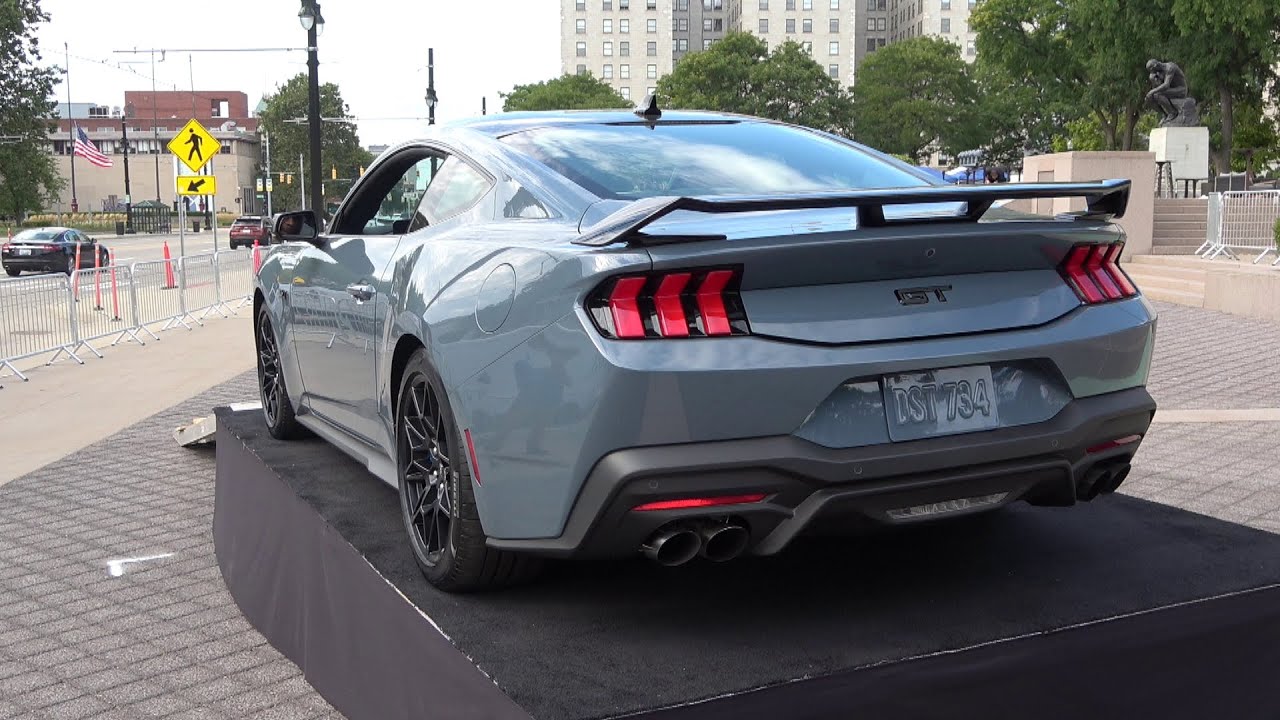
(297,226)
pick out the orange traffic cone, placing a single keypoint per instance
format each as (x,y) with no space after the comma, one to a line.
(115,291)
(169,283)
(257,257)
(97,280)
(75,276)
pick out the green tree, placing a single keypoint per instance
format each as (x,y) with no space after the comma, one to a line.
(28,176)
(1229,50)
(567,92)
(1085,56)
(1013,119)
(738,74)
(916,96)
(339,143)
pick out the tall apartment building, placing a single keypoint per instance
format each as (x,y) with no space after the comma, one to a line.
(947,19)
(631,43)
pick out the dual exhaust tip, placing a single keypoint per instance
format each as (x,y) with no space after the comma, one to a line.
(717,542)
(1102,478)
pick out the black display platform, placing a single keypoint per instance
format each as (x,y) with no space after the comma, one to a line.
(1117,608)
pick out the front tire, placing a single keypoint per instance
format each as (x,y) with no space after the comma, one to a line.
(276,408)
(437,501)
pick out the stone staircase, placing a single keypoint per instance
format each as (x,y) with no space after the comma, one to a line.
(1180,225)
(1170,278)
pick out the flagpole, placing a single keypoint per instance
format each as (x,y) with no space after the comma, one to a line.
(71,133)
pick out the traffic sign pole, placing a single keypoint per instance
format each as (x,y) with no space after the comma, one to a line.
(182,212)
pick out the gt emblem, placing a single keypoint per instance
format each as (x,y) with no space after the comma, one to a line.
(920,295)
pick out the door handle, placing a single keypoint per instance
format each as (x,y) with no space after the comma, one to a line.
(361,291)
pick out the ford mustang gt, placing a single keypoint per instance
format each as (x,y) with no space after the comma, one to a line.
(686,334)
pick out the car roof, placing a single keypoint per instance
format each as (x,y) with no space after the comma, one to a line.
(47,228)
(511,122)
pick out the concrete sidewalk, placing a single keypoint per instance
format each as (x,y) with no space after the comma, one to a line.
(66,407)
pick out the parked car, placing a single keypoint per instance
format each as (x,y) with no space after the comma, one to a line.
(690,334)
(247,230)
(50,249)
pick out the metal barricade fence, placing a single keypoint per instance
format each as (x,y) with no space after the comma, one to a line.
(235,278)
(1246,221)
(199,283)
(104,308)
(156,296)
(35,319)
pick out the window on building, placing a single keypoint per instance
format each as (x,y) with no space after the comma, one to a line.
(625,93)
(624,26)
(833,71)
(871,4)
(651,4)
(807,25)
(808,46)
(806,4)
(582,49)
(871,23)
(882,24)
(719,25)
(582,69)
(833,25)
(624,49)
(683,24)
(608,72)
(682,5)
(972,3)
(608,5)
(608,48)
(682,45)
(835,4)
(608,25)
(651,49)
(764,4)
(791,4)
(970,48)
(651,72)
(582,27)
(946,25)
(651,25)
(946,4)
(833,48)
(706,25)
(624,72)
(624,4)
(791,26)
(764,26)
(581,5)
(706,44)
(871,44)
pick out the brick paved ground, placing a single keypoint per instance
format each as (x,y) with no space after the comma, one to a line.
(166,640)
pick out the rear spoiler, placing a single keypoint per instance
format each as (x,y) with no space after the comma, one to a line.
(1106,199)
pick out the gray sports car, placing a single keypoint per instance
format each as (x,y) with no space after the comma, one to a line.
(685,334)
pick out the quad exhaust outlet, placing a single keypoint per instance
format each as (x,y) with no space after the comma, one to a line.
(677,545)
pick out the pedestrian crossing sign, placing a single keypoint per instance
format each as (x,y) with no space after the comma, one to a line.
(194,146)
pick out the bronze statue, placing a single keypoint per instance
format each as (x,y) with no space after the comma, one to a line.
(1169,94)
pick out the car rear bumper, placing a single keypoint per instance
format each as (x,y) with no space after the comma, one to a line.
(41,263)
(808,486)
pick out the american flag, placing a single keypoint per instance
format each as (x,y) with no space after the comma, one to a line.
(86,149)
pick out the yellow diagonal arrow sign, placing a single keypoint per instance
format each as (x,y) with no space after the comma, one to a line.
(197,185)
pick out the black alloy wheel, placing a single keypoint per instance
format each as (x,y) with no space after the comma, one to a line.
(276,408)
(71,264)
(437,498)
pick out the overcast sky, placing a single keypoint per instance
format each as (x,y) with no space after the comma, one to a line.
(375,50)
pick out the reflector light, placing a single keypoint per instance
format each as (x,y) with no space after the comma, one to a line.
(1118,442)
(1093,272)
(674,304)
(685,503)
(670,306)
(471,452)
(625,306)
(715,320)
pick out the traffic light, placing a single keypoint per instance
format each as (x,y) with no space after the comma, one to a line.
(333,174)
(281,177)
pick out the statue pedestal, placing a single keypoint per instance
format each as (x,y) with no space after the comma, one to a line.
(1185,148)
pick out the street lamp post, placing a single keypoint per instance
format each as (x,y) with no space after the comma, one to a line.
(313,22)
(128,199)
(431,86)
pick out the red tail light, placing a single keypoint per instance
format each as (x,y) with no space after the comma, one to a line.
(700,502)
(1093,272)
(677,304)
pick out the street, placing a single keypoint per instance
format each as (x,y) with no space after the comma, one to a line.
(143,247)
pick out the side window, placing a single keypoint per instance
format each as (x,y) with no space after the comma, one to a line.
(396,212)
(454,188)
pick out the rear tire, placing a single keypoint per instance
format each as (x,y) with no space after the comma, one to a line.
(276,408)
(437,499)
(13,272)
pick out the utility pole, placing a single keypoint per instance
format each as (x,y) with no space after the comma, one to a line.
(71,133)
(431,86)
(266,184)
(483,105)
(312,21)
(302,182)
(128,199)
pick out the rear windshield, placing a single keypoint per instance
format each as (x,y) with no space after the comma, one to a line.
(626,162)
(248,221)
(32,235)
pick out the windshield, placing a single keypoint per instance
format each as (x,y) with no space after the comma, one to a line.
(627,162)
(37,235)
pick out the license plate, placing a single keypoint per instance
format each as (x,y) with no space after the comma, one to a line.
(940,402)
(24,251)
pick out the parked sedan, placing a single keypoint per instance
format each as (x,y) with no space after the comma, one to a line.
(50,249)
(690,334)
(247,230)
